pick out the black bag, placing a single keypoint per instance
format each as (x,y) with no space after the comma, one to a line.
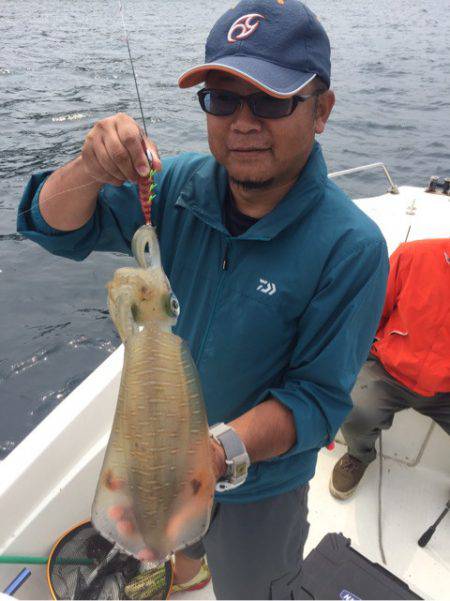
(333,570)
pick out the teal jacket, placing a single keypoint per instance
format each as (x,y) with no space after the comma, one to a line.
(286,310)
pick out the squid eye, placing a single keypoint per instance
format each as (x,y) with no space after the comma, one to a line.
(174,305)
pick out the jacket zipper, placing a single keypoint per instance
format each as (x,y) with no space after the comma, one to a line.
(225,263)
(225,258)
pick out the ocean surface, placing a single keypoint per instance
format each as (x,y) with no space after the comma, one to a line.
(64,65)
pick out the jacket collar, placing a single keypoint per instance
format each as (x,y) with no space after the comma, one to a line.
(204,195)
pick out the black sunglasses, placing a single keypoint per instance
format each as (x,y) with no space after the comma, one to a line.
(222,103)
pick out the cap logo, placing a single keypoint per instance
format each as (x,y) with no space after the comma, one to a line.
(243,27)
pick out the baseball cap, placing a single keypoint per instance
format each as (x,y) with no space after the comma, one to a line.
(277,45)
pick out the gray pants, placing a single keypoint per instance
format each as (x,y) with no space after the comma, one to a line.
(377,397)
(255,550)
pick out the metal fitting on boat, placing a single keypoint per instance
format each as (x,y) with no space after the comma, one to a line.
(446,188)
(434,180)
(438,187)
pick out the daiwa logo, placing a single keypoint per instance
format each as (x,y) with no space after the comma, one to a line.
(243,27)
(266,287)
(348,596)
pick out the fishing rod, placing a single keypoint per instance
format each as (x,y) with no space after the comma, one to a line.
(122,14)
(146,185)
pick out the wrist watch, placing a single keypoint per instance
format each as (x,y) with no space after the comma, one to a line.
(236,457)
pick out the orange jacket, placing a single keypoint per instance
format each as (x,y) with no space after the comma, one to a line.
(413,338)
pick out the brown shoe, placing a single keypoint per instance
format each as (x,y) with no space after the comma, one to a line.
(346,476)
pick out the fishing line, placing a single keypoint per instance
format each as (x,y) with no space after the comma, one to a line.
(122,14)
(74,189)
(42,203)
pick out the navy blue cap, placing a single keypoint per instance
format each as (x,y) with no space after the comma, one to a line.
(277,45)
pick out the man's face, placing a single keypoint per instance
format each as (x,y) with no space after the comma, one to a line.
(258,151)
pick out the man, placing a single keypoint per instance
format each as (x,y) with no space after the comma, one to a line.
(409,365)
(280,277)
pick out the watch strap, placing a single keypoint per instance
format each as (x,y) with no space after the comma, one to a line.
(236,456)
(232,444)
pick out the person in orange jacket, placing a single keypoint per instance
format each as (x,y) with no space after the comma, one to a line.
(409,362)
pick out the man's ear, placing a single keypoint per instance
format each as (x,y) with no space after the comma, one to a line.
(325,104)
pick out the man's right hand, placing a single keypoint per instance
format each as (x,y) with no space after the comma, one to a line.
(113,152)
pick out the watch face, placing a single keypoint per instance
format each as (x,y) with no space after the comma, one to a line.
(241,470)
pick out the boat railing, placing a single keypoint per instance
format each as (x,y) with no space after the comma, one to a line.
(393,189)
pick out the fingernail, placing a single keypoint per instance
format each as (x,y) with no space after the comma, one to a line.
(142,170)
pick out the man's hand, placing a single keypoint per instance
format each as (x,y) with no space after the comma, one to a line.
(112,152)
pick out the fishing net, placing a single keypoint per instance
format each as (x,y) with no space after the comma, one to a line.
(84,565)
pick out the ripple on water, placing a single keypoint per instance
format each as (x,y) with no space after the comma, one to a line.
(42,355)
(49,329)
(108,346)
(373,67)
(22,366)
(71,117)
(49,400)
(6,446)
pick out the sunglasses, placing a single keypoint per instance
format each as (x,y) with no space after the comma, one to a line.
(222,103)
